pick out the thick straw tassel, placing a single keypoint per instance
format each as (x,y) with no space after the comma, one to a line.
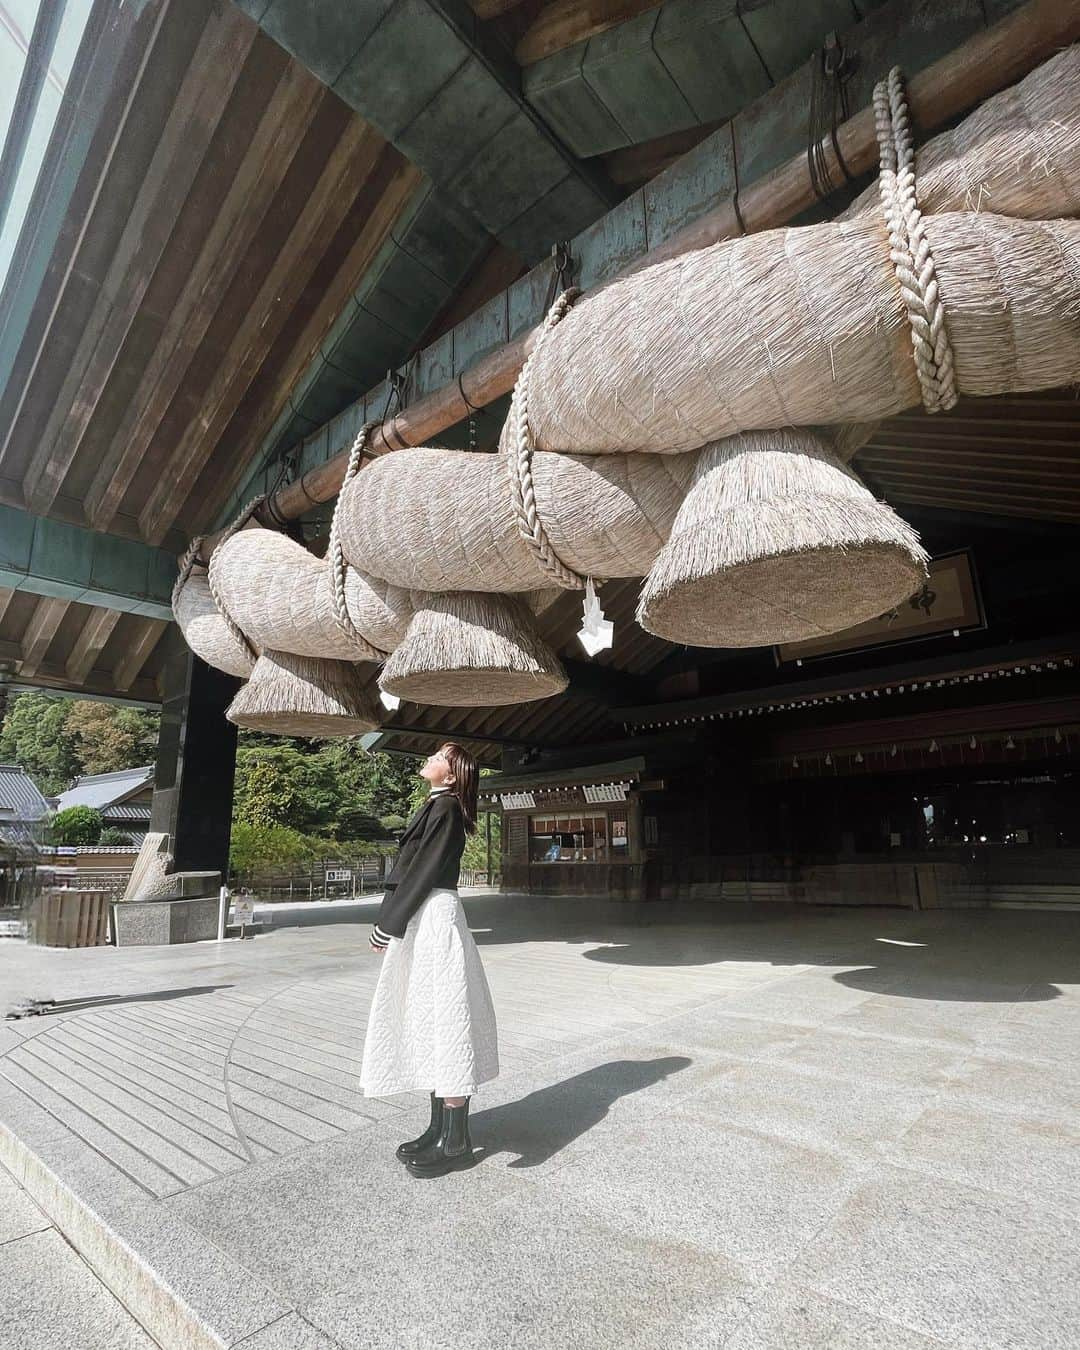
(777,541)
(291,695)
(472,650)
(205,630)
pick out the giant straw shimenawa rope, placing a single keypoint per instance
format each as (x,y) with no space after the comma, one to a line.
(910,299)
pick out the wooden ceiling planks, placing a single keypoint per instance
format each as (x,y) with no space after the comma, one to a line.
(376,205)
(1013,456)
(343,173)
(188,132)
(230,220)
(254,184)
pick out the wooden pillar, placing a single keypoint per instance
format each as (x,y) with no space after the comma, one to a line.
(196,762)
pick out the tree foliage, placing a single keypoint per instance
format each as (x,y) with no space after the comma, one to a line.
(57,739)
(109,738)
(332,790)
(76,825)
(35,736)
(116,837)
(254,846)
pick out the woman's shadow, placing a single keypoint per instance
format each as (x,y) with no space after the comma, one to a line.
(544,1122)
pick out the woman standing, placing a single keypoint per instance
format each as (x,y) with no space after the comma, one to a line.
(432,1021)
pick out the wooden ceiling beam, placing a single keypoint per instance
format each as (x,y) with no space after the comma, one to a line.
(945,468)
(491,9)
(137,653)
(943,438)
(241,216)
(6,597)
(638,164)
(98,685)
(392,187)
(964,501)
(361,164)
(40,632)
(1006,492)
(563,23)
(203,97)
(90,643)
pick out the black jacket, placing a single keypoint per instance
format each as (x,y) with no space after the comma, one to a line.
(429,859)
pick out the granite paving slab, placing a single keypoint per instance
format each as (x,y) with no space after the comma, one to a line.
(49,1296)
(973,1268)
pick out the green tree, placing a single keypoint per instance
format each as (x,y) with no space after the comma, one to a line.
(76,825)
(108,738)
(269,845)
(266,793)
(118,838)
(35,736)
(331,789)
(55,739)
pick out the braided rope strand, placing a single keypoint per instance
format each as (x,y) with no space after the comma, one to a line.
(519,461)
(337,565)
(186,567)
(909,247)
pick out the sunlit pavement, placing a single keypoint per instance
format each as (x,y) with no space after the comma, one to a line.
(715,1125)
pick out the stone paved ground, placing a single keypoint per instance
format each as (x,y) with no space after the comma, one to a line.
(49,1296)
(715,1126)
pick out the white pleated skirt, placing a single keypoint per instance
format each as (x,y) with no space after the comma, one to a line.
(432,1022)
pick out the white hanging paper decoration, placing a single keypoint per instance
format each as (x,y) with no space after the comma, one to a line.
(597,633)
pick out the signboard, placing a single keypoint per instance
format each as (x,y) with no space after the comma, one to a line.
(517,801)
(949,602)
(606,792)
(243,911)
(338,874)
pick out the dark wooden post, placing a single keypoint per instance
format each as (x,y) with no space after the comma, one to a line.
(196,762)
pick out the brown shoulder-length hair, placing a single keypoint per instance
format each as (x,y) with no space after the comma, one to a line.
(466,780)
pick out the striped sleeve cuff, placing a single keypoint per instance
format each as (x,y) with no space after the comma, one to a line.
(378,937)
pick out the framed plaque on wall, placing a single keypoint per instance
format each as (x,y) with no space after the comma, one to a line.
(949,602)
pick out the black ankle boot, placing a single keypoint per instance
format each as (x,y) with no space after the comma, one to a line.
(414,1146)
(452,1149)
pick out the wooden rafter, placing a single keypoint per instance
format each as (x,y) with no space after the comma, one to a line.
(280,133)
(563,23)
(90,643)
(637,164)
(203,97)
(40,632)
(491,9)
(138,653)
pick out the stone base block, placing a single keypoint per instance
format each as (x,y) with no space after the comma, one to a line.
(141,923)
